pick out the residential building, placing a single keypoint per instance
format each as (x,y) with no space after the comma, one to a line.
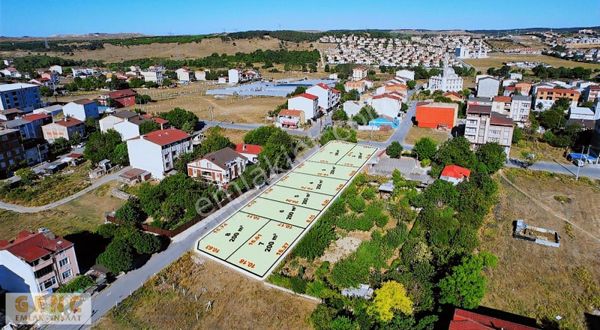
(436,115)
(308,103)
(359,85)
(81,109)
(516,76)
(454,96)
(156,152)
(488,87)
(52,110)
(405,74)
(121,98)
(154,75)
(586,117)
(328,97)
(523,88)
(520,107)
(472,100)
(591,93)
(219,167)
(10,114)
(250,151)
(501,104)
(393,86)
(455,174)
(233,76)
(25,97)
(184,75)
(56,68)
(129,127)
(472,320)
(483,126)
(388,104)
(200,75)
(66,128)
(545,97)
(290,118)
(29,125)
(83,72)
(12,153)
(448,81)
(351,108)
(47,261)
(359,72)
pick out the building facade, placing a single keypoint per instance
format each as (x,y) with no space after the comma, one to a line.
(545,97)
(25,97)
(483,126)
(81,109)
(11,150)
(305,102)
(156,152)
(488,87)
(436,115)
(219,167)
(66,128)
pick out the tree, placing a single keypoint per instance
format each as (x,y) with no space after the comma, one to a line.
(492,155)
(148,126)
(299,90)
(120,155)
(456,151)
(142,99)
(339,114)
(465,285)
(425,148)
(118,256)
(394,150)
(338,133)
(366,114)
(390,297)
(26,174)
(179,117)
(144,243)
(131,212)
(517,135)
(60,146)
(214,141)
(46,91)
(102,145)
(277,153)
(411,84)
(259,135)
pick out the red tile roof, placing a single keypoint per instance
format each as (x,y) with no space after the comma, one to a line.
(308,96)
(388,96)
(455,171)
(68,122)
(291,113)
(479,109)
(454,94)
(335,91)
(505,99)
(36,116)
(166,136)
(248,148)
(83,101)
(32,246)
(322,85)
(466,320)
(157,120)
(122,93)
(500,120)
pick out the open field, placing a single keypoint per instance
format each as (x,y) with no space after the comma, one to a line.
(112,53)
(178,296)
(379,136)
(84,213)
(536,280)
(498,59)
(542,151)
(415,133)
(234,135)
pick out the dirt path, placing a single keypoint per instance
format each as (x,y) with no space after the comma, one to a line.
(545,207)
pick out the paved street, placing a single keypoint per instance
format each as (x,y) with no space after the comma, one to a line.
(590,171)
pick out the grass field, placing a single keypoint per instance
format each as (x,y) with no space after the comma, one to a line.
(415,133)
(498,59)
(542,151)
(535,280)
(84,213)
(379,136)
(178,296)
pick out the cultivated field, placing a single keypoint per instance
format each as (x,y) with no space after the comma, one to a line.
(179,296)
(416,133)
(538,281)
(498,59)
(84,213)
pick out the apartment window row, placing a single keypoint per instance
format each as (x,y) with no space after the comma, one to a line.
(48,283)
(63,262)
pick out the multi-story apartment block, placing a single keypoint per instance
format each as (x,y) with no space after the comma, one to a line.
(81,109)
(66,128)
(25,97)
(307,103)
(545,97)
(520,107)
(11,150)
(448,81)
(156,152)
(483,126)
(328,97)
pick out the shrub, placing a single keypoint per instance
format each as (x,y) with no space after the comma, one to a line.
(395,237)
(144,243)
(107,230)
(131,212)
(356,203)
(369,193)
(118,256)
(394,150)
(352,222)
(78,284)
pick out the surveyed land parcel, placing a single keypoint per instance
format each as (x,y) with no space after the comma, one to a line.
(256,238)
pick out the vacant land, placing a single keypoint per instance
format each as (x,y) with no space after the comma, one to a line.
(541,150)
(498,59)
(379,136)
(111,53)
(415,133)
(84,213)
(180,294)
(538,281)
(234,135)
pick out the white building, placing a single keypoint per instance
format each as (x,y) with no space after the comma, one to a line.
(81,109)
(219,167)
(359,72)
(184,75)
(516,76)
(405,74)
(156,152)
(351,108)
(56,68)
(308,103)
(155,76)
(448,81)
(233,76)
(388,104)
(488,87)
(583,113)
(519,109)
(25,97)
(328,97)
(200,75)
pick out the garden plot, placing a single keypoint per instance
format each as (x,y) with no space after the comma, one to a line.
(257,237)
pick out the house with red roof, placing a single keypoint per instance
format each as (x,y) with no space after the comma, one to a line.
(250,151)
(66,128)
(219,167)
(156,152)
(122,98)
(37,262)
(307,103)
(387,104)
(455,174)
(329,97)
(290,118)
(471,320)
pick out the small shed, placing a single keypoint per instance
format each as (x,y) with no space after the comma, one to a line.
(134,176)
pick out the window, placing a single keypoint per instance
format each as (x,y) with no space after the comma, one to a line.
(44,271)
(63,262)
(49,283)
(66,274)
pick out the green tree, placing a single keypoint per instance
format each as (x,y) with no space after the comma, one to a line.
(148,126)
(366,114)
(259,135)
(465,285)
(179,117)
(338,133)
(119,155)
(118,256)
(59,147)
(214,141)
(394,150)
(390,297)
(101,145)
(425,148)
(492,155)
(456,151)
(144,243)
(277,153)
(27,175)
(131,212)
(411,84)
(339,114)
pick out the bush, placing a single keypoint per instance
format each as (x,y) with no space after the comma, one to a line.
(356,203)
(394,150)
(107,230)
(425,148)
(118,256)
(131,212)
(375,213)
(76,285)
(144,243)
(369,193)
(352,222)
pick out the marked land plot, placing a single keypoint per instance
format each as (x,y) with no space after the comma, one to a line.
(312,183)
(258,236)
(326,170)
(280,211)
(293,196)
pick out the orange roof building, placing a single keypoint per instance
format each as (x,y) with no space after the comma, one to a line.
(437,115)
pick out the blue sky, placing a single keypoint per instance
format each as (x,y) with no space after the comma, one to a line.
(50,17)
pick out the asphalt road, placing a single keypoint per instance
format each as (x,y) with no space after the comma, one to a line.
(400,132)
(590,171)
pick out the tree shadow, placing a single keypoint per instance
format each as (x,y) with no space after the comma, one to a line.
(88,247)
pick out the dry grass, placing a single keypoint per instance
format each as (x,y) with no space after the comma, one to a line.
(535,280)
(379,136)
(498,59)
(169,299)
(542,151)
(234,135)
(416,133)
(84,213)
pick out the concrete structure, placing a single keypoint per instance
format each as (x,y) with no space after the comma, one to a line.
(25,97)
(184,75)
(250,151)
(454,96)
(591,93)
(233,76)
(30,125)
(501,104)
(351,108)
(127,123)
(81,109)
(359,85)
(483,126)
(17,275)
(307,103)
(328,97)
(51,259)
(388,104)
(56,68)
(65,128)
(52,110)
(200,75)
(448,81)
(11,150)
(488,87)
(520,107)
(219,167)
(405,74)
(359,72)
(289,118)
(455,174)
(156,152)
(545,97)
(436,115)
(82,72)
(153,74)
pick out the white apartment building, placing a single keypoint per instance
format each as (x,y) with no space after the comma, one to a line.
(25,97)
(388,104)
(483,126)
(155,76)
(328,97)
(157,151)
(519,109)
(405,74)
(360,72)
(308,103)
(81,109)
(448,81)
(488,87)
(233,76)
(184,75)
